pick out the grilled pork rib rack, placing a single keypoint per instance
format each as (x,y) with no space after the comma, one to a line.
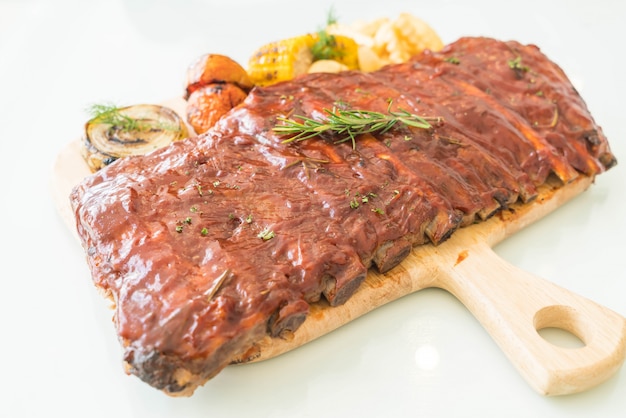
(214,242)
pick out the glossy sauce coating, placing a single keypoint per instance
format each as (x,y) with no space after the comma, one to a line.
(216,241)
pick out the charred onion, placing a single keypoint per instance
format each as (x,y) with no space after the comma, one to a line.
(114,132)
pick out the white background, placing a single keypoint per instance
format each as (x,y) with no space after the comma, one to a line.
(58,349)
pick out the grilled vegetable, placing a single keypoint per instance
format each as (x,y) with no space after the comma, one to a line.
(115,132)
(289,58)
(336,47)
(340,48)
(209,103)
(282,60)
(327,66)
(215,68)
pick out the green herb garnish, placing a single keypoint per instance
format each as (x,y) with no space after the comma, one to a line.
(349,123)
(266,234)
(325,48)
(517,66)
(453,60)
(113,115)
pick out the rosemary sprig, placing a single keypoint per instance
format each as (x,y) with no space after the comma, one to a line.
(348,123)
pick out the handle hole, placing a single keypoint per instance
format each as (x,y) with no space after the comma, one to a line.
(560,337)
(562,326)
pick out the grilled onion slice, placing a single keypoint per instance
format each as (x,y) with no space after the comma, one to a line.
(133,130)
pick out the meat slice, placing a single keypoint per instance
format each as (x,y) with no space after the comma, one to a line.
(214,242)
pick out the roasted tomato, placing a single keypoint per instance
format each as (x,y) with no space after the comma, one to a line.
(215,68)
(208,103)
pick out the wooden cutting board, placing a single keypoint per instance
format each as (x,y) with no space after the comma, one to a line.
(511,304)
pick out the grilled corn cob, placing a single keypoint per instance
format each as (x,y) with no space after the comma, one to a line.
(340,48)
(286,59)
(282,60)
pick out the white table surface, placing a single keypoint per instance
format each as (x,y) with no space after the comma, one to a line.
(60,355)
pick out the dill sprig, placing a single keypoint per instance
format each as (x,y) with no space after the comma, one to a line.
(110,114)
(348,123)
(326,45)
(113,115)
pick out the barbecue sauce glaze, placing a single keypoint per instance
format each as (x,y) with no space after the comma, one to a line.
(214,242)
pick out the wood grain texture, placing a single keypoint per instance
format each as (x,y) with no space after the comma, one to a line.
(511,304)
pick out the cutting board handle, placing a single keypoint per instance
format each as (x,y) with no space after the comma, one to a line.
(512,305)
